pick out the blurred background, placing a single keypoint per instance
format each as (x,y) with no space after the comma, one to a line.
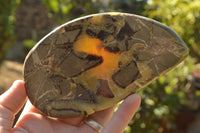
(170,104)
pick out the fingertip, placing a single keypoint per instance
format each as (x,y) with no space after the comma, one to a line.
(137,96)
(18,82)
(103,116)
(14,97)
(134,98)
(124,114)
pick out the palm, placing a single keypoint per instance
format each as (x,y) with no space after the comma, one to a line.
(31,119)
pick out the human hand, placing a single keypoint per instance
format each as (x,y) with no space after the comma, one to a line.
(32,121)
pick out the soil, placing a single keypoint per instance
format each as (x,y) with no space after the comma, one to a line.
(9,72)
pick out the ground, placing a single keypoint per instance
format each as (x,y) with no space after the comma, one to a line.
(9,72)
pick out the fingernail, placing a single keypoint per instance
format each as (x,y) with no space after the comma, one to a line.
(136,96)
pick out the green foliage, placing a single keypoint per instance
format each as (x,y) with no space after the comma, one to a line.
(128,6)
(64,10)
(183,16)
(6,25)
(62,6)
(163,99)
(28,44)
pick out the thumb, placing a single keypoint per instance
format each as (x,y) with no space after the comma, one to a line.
(10,103)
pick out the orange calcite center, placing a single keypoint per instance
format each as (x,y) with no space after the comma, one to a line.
(94,46)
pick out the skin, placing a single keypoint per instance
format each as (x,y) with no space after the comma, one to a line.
(32,121)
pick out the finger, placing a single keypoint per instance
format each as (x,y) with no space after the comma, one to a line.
(15,97)
(10,103)
(100,117)
(27,108)
(30,108)
(123,115)
(6,119)
(103,116)
(33,122)
(76,121)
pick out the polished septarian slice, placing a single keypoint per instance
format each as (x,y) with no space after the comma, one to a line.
(93,62)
